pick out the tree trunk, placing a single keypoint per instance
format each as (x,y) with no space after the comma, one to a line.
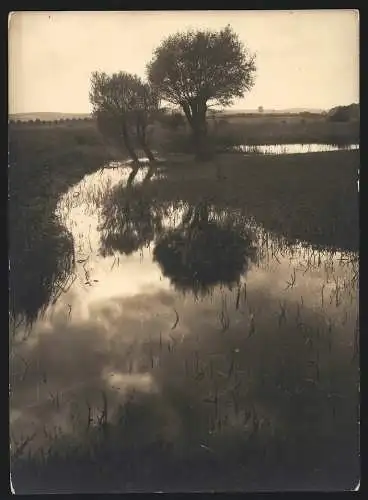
(200,144)
(196,116)
(141,133)
(200,138)
(128,144)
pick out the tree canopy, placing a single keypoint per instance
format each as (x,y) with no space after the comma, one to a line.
(193,70)
(123,103)
(198,69)
(214,66)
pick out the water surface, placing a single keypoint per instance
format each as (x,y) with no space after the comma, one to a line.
(280,149)
(179,306)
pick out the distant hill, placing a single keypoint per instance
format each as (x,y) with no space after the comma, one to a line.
(47,116)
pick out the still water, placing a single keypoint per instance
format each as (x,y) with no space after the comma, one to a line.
(277,149)
(178,305)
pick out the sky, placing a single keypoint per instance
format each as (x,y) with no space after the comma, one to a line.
(305,59)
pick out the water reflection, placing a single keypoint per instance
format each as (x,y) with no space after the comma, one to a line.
(205,250)
(252,386)
(197,247)
(288,149)
(128,222)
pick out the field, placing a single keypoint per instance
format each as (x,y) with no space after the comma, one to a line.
(207,316)
(227,130)
(289,128)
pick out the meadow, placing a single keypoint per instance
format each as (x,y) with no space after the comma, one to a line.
(235,364)
(231,130)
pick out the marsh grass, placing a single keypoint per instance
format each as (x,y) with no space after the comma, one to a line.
(311,198)
(251,405)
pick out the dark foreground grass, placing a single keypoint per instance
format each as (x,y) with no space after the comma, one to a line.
(309,197)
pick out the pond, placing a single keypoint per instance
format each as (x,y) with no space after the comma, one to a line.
(218,346)
(277,149)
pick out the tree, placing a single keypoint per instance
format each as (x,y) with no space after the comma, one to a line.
(195,70)
(146,104)
(122,102)
(111,100)
(260,109)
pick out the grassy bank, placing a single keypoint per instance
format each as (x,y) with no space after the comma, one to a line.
(309,197)
(44,162)
(51,157)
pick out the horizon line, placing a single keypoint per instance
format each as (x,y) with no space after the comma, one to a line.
(222,109)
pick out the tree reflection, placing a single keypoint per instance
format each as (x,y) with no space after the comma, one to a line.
(129,222)
(41,262)
(135,168)
(208,248)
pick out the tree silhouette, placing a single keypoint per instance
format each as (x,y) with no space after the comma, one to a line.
(123,104)
(195,70)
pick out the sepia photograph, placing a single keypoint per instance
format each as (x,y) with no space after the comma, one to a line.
(183,221)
